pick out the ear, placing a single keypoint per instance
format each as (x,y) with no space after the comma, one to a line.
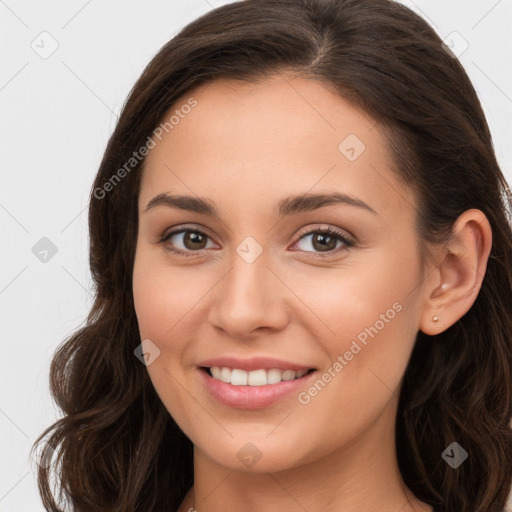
(458,278)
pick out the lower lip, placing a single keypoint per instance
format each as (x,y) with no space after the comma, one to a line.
(252,397)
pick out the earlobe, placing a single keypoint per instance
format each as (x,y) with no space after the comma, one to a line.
(461,271)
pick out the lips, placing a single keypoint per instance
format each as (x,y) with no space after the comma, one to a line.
(252,383)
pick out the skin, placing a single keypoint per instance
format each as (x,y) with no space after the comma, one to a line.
(245,147)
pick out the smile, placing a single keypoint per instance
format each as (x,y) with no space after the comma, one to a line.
(253,389)
(260,377)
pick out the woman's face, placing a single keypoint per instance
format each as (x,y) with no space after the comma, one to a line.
(259,287)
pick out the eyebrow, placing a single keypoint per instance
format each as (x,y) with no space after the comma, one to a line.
(287,206)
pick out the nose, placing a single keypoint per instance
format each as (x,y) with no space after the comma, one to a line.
(249,298)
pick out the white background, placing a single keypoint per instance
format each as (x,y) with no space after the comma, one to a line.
(57,115)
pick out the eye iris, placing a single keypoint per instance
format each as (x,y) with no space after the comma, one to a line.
(194,238)
(326,241)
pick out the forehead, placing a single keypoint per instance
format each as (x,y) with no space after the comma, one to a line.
(284,134)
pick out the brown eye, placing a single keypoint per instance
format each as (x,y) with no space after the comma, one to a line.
(185,241)
(194,240)
(325,241)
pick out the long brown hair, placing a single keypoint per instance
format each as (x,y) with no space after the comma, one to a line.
(116,447)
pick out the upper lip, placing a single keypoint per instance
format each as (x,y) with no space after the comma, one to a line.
(254,363)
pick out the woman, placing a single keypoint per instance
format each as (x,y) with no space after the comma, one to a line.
(302,251)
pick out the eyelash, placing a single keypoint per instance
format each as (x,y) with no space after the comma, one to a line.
(324,231)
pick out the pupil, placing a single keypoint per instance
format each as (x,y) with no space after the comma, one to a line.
(194,238)
(324,241)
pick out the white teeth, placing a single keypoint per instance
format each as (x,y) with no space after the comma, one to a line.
(274,376)
(238,377)
(256,377)
(261,377)
(225,375)
(288,375)
(216,372)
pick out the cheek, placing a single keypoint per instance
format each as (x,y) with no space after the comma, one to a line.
(367,316)
(162,296)
(372,318)
(345,301)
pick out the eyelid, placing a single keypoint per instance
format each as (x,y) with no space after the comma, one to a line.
(304,231)
(343,233)
(196,228)
(349,240)
(185,227)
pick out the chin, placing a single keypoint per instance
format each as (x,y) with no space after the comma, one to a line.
(257,453)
